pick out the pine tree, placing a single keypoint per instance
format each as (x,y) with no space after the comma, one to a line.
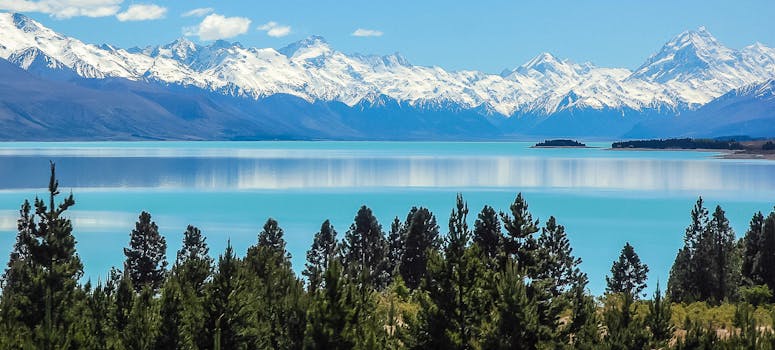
(124,300)
(658,319)
(171,335)
(624,330)
(327,316)
(422,234)
(228,307)
(751,247)
(556,263)
(556,272)
(487,233)
(680,285)
(726,258)
(146,257)
(321,254)
(279,318)
(628,274)
(364,249)
(456,285)
(688,278)
(40,283)
(514,319)
(519,242)
(583,331)
(142,329)
(193,264)
(396,241)
(188,278)
(765,258)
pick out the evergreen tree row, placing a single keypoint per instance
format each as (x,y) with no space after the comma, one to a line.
(713,266)
(507,282)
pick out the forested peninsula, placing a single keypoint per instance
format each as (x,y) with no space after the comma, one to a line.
(507,281)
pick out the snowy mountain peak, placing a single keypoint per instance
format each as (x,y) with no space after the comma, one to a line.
(700,39)
(311,46)
(690,70)
(541,62)
(24,23)
(692,55)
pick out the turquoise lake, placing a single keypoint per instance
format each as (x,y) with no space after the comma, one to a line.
(603,197)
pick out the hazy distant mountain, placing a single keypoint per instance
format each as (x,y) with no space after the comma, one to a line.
(309,90)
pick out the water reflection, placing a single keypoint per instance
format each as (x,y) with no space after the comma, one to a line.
(213,173)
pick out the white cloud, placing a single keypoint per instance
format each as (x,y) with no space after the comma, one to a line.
(275,30)
(64,8)
(199,12)
(142,13)
(360,32)
(215,26)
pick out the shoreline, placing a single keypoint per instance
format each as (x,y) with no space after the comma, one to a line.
(724,153)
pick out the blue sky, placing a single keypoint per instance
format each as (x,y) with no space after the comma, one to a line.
(487,35)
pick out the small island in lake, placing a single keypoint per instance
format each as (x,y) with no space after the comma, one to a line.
(560,143)
(685,143)
(750,149)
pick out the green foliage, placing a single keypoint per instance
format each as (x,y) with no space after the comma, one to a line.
(659,319)
(519,243)
(759,251)
(146,257)
(756,295)
(472,290)
(514,320)
(422,236)
(364,249)
(277,301)
(624,329)
(456,302)
(39,291)
(583,331)
(628,274)
(708,267)
(487,233)
(556,264)
(396,240)
(193,265)
(322,252)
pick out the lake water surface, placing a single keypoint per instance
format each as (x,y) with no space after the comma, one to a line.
(604,197)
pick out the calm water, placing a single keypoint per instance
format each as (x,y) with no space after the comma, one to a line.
(604,198)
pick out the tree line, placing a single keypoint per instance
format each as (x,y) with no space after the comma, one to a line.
(507,282)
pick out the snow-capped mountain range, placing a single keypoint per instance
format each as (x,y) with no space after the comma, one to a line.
(687,73)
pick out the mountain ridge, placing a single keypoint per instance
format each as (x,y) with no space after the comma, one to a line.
(687,73)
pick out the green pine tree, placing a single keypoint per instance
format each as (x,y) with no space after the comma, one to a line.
(279,318)
(146,257)
(323,251)
(514,318)
(396,241)
(364,249)
(519,242)
(628,274)
(487,233)
(228,305)
(41,281)
(658,319)
(726,259)
(422,235)
(624,329)
(751,247)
